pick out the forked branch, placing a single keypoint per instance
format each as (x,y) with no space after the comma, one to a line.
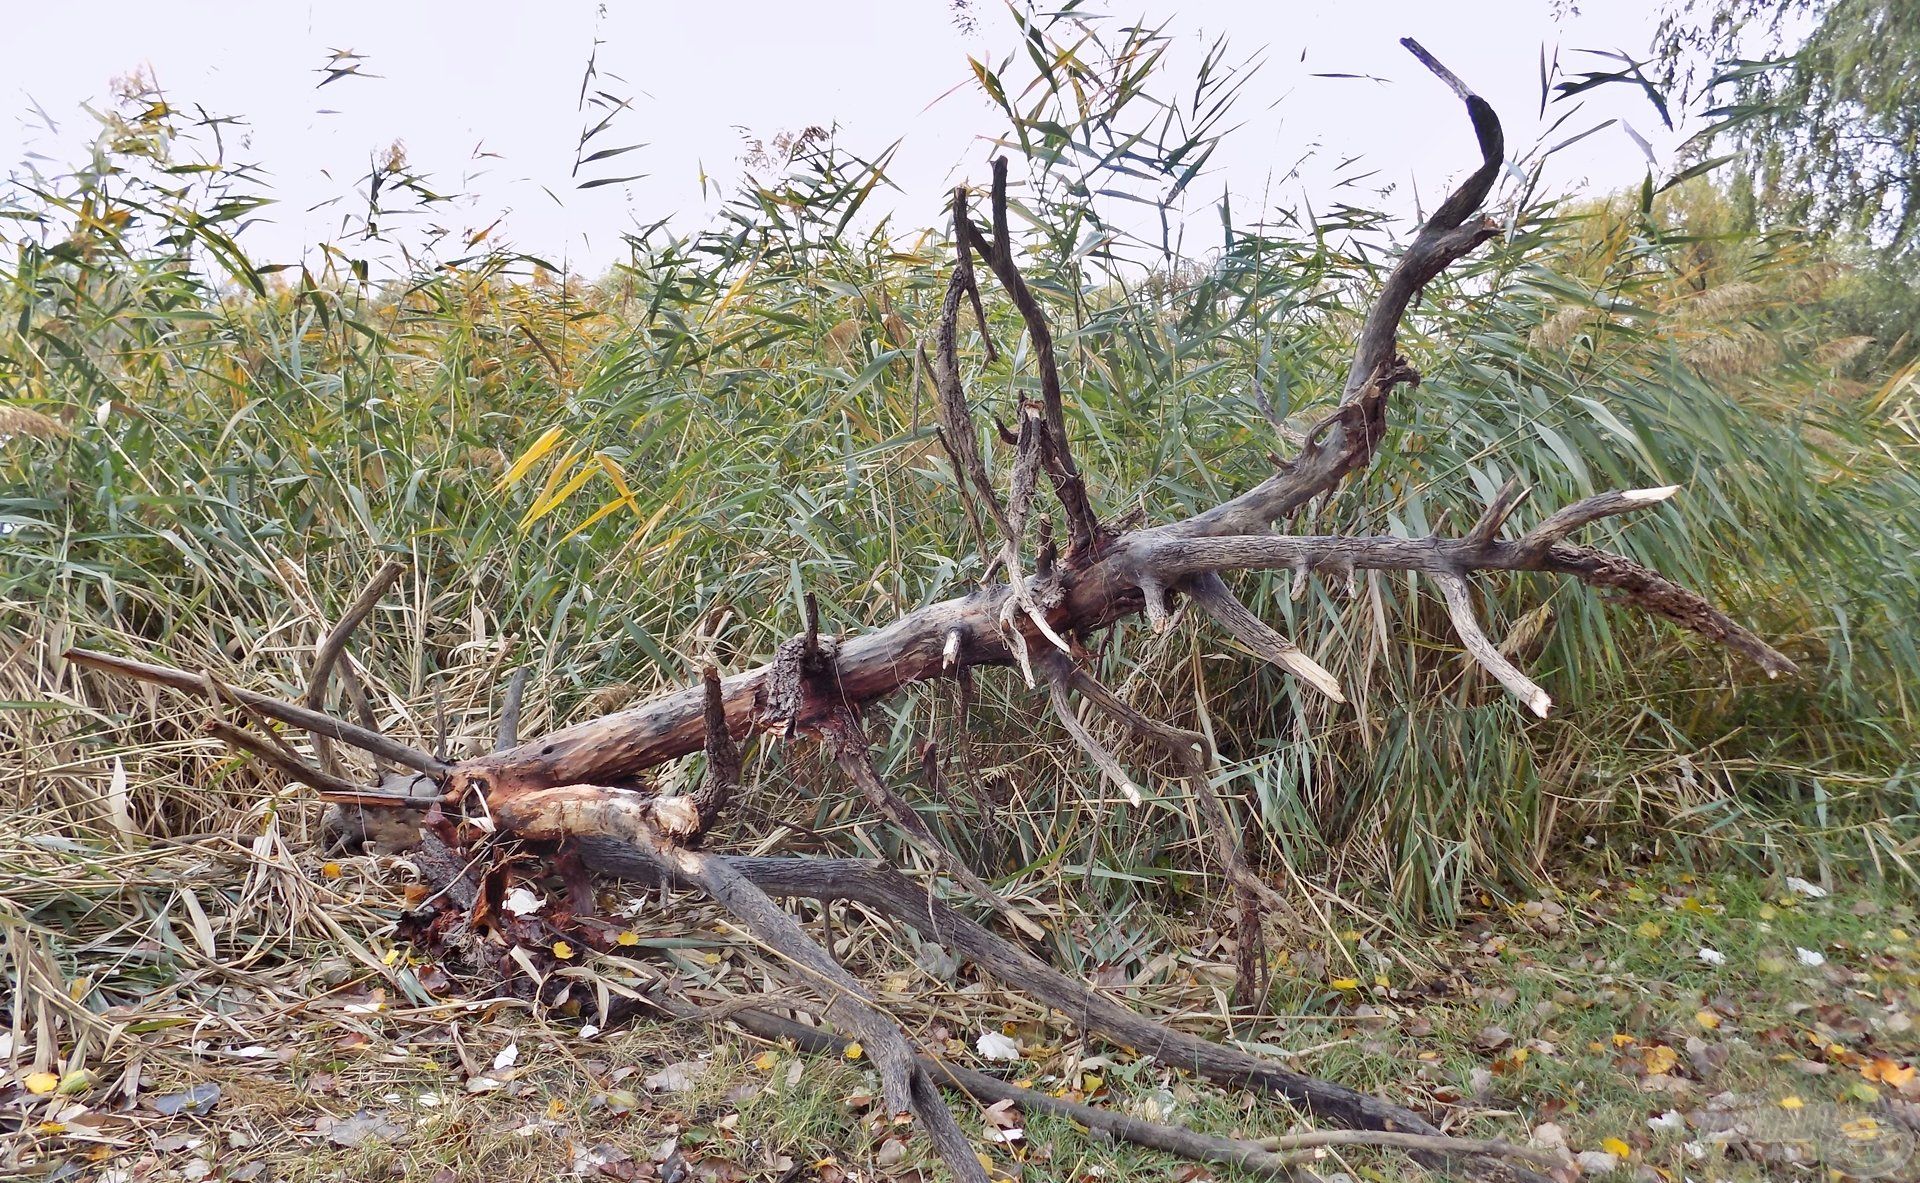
(572,785)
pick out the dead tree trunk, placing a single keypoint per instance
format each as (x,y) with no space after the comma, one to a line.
(581,786)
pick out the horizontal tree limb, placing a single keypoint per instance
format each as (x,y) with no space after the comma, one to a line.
(317,722)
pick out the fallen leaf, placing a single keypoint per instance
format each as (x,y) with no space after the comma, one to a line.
(854,1051)
(675,1078)
(42,1083)
(1792,1102)
(1708,1019)
(1616,1147)
(1812,891)
(1658,1059)
(358,1129)
(994,1046)
(196,1100)
(508,1056)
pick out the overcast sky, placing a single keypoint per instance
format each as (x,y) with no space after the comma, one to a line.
(484,94)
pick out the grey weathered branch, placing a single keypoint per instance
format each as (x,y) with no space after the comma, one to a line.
(1191,753)
(1224,608)
(1083,525)
(508,734)
(575,784)
(566,813)
(334,645)
(1347,439)
(1096,1014)
(375,742)
(847,745)
(1254,1158)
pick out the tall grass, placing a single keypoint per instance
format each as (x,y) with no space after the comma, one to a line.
(206,457)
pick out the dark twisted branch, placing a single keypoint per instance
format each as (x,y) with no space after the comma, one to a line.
(1083,525)
(1347,439)
(565,813)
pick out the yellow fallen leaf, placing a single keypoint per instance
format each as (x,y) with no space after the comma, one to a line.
(1887,1072)
(1767,912)
(1861,1129)
(1792,1102)
(765,1061)
(710,958)
(1345,983)
(854,1051)
(42,1083)
(562,950)
(1380,980)
(1659,1059)
(1616,1147)
(1707,1019)
(330,870)
(1648,930)
(1620,1040)
(628,939)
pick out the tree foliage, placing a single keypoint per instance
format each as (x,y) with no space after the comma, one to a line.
(1813,100)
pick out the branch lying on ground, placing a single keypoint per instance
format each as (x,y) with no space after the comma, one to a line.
(892,894)
(575,785)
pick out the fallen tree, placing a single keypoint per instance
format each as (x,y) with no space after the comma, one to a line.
(584,792)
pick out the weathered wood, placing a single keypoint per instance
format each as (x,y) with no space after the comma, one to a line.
(286,712)
(564,813)
(574,785)
(616,748)
(894,895)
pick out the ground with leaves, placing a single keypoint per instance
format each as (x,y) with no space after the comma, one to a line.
(1652,1024)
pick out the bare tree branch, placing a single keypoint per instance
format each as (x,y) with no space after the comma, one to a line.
(328,652)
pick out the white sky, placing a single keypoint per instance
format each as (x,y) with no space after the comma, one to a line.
(485,76)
